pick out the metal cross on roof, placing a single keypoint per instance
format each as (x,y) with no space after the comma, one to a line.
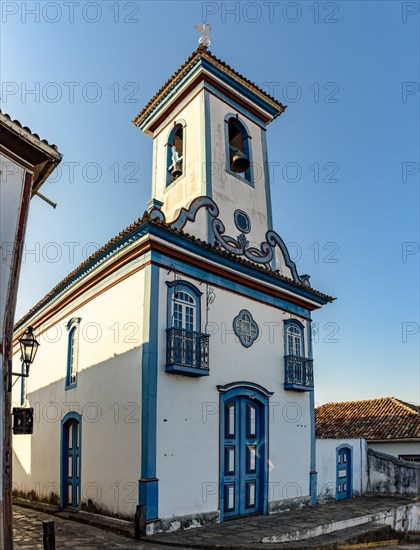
(204,29)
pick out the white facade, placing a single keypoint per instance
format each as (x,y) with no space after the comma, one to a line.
(11,188)
(177,360)
(12,178)
(107,396)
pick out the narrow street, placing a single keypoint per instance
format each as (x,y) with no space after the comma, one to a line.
(78,536)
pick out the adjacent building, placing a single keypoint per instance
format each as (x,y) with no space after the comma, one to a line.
(389,425)
(26,161)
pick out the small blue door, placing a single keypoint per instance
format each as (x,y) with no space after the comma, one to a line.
(343,473)
(70,483)
(242,464)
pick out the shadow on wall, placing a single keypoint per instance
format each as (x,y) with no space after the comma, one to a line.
(108,398)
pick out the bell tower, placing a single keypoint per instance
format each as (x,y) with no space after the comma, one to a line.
(208,125)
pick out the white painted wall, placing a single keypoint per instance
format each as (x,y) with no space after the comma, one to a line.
(108,396)
(397,448)
(192,183)
(326,465)
(12,179)
(188,416)
(229,192)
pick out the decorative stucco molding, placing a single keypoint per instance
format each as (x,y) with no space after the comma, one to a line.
(239,245)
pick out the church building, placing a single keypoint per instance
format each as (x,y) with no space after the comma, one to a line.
(175,365)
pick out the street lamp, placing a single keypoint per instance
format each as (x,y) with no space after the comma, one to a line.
(28,348)
(23,416)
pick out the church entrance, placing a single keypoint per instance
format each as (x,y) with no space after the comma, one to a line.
(243,460)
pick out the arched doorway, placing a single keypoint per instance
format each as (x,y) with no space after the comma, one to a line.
(344,484)
(243,449)
(71,444)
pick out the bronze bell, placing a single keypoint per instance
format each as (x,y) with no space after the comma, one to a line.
(240,163)
(176,171)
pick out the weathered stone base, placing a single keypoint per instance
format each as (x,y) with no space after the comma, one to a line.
(180,523)
(330,496)
(288,504)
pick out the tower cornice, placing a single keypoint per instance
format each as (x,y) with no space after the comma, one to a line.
(203,67)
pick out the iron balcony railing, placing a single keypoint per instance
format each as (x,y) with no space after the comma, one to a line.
(299,372)
(187,351)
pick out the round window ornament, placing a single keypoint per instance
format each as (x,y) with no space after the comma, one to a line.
(242,221)
(245,328)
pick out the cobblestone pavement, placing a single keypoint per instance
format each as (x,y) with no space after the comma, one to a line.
(27,534)
(78,536)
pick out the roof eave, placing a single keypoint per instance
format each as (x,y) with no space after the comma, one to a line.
(147,225)
(48,155)
(208,61)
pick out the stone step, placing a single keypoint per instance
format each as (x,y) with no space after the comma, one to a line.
(368,535)
(114,525)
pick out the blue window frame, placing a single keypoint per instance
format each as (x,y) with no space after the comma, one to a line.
(175,155)
(184,306)
(187,348)
(72,352)
(294,338)
(298,369)
(238,142)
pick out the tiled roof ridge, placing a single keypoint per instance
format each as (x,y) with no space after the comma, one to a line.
(378,419)
(202,52)
(135,225)
(399,402)
(28,130)
(409,406)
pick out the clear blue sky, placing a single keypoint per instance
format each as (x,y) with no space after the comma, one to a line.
(339,66)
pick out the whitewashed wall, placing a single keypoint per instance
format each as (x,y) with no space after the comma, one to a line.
(326,465)
(191,183)
(108,396)
(12,178)
(188,418)
(188,415)
(11,187)
(229,192)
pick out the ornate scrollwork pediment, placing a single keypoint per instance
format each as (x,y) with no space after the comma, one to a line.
(238,246)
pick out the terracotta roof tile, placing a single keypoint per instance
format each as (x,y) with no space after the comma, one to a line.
(374,419)
(203,52)
(28,130)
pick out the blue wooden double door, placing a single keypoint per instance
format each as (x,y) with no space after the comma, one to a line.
(242,457)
